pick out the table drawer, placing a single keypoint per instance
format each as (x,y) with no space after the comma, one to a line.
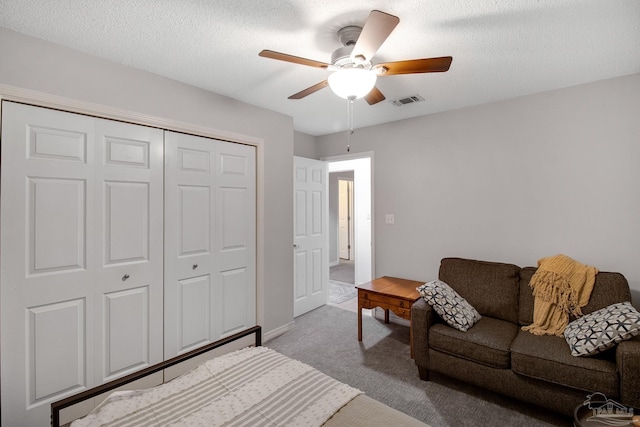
(404,313)
(400,308)
(368,296)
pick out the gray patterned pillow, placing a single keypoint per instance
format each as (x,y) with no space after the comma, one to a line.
(602,329)
(453,309)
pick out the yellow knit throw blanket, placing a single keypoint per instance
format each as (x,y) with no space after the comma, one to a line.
(561,286)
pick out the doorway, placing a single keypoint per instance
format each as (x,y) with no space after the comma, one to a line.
(345,215)
(358,168)
(342,270)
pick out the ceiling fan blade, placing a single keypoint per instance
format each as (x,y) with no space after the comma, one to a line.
(414,66)
(290,58)
(375,31)
(374,96)
(310,90)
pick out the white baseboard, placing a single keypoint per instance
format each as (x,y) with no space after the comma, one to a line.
(278,331)
(334,263)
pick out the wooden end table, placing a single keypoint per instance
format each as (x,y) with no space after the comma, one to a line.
(389,293)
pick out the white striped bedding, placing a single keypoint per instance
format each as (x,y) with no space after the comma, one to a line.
(255,386)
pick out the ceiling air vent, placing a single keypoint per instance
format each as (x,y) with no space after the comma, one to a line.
(408,100)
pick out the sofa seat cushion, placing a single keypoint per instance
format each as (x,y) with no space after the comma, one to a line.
(549,358)
(487,342)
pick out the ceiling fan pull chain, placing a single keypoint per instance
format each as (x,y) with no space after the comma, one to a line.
(349,122)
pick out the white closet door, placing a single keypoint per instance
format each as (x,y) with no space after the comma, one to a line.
(74,220)
(209,240)
(235,241)
(47,257)
(129,282)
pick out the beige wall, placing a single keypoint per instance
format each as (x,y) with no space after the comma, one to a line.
(33,64)
(513,181)
(304,145)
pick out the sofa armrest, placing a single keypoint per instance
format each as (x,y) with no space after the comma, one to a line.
(628,361)
(422,317)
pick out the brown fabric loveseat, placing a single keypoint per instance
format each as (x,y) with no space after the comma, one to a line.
(497,355)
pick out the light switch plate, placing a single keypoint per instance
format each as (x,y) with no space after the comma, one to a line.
(390,219)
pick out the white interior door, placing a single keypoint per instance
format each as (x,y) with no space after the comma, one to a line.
(344,218)
(210,232)
(311,243)
(80,200)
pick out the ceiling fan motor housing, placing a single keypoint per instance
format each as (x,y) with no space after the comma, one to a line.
(348,36)
(341,56)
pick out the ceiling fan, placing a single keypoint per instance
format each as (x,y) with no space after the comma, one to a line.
(354,75)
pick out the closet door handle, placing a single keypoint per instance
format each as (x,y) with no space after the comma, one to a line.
(125,277)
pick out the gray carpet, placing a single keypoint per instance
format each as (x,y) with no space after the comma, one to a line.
(326,338)
(343,272)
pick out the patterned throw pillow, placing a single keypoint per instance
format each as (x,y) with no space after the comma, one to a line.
(602,329)
(453,309)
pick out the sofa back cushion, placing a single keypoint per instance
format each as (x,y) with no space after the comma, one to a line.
(608,289)
(526,296)
(492,288)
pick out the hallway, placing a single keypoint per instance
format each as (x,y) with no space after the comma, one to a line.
(343,272)
(342,291)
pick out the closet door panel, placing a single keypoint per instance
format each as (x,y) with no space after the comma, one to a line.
(189,240)
(209,232)
(58,329)
(126,324)
(235,299)
(47,257)
(127,152)
(194,312)
(52,142)
(127,222)
(194,213)
(192,160)
(56,219)
(236,234)
(129,191)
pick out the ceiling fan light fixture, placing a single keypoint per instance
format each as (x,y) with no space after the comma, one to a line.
(352,83)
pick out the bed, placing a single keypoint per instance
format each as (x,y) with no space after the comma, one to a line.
(253,386)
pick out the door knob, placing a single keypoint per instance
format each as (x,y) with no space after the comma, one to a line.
(295,246)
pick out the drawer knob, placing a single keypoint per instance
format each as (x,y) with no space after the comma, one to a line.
(125,277)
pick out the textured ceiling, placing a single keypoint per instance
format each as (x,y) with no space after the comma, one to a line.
(501,49)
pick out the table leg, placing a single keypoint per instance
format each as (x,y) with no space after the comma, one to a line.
(386,315)
(359,320)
